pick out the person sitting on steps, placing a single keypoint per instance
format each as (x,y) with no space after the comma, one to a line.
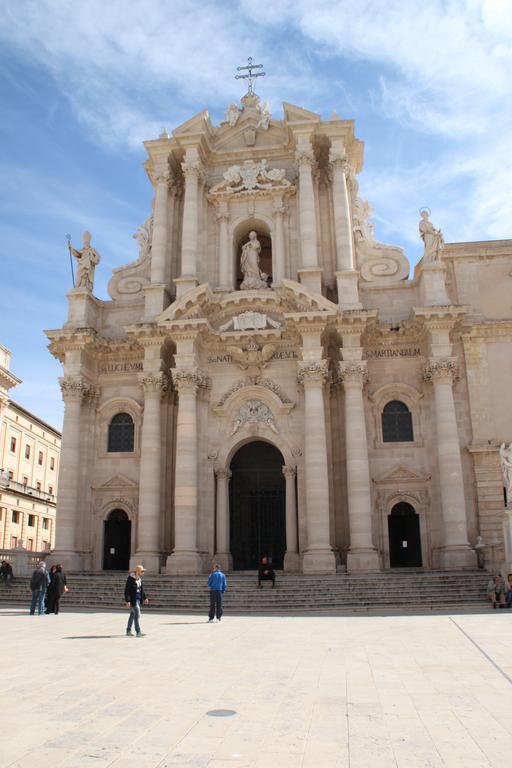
(266,572)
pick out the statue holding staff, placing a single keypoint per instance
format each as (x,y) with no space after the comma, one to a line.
(87,258)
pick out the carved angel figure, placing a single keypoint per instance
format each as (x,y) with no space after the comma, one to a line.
(232,114)
(432,238)
(87,258)
(506,468)
(363,230)
(254,278)
(266,117)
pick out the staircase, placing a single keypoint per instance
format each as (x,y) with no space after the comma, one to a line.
(404,590)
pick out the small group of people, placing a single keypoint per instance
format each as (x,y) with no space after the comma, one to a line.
(499,592)
(135,596)
(47,588)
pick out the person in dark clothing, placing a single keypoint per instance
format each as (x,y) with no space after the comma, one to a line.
(217,585)
(38,585)
(56,589)
(266,572)
(6,573)
(134,597)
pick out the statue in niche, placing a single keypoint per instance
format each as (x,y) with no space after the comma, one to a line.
(432,238)
(506,468)
(87,258)
(254,278)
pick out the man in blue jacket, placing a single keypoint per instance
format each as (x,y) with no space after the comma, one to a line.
(217,585)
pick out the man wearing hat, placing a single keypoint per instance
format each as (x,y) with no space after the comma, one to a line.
(134,596)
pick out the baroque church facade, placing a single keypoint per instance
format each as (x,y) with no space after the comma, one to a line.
(268,380)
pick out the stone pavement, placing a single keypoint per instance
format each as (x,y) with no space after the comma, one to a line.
(308,692)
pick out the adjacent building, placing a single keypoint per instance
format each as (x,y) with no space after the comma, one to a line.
(29,470)
(267,378)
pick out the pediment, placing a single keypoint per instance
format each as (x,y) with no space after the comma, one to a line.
(200,123)
(401,474)
(118,481)
(235,139)
(294,114)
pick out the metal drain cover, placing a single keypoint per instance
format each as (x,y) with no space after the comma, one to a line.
(221,712)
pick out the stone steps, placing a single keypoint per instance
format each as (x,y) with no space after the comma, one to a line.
(403,591)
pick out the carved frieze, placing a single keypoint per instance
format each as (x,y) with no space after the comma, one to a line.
(251,176)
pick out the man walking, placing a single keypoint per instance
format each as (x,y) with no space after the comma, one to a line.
(217,585)
(135,596)
(38,584)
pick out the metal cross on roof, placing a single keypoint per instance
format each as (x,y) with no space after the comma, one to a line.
(251,75)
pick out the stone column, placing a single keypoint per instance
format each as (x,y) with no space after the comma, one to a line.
(149,523)
(222,553)
(346,274)
(189,237)
(455,551)
(278,209)
(362,555)
(310,272)
(73,391)
(159,241)
(291,558)
(224,254)
(318,557)
(185,557)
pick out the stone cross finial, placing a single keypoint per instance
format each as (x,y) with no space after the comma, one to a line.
(250,74)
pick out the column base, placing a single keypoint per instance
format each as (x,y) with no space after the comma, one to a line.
(311,278)
(363,560)
(156,299)
(150,560)
(183,563)
(70,561)
(184,285)
(347,281)
(319,561)
(292,562)
(455,557)
(225,561)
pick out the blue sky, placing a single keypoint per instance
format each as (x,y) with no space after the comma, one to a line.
(83,84)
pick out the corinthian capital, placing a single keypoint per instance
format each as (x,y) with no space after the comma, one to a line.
(192,169)
(222,473)
(154,382)
(289,471)
(188,379)
(74,388)
(442,369)
(353,373)
(313,371)
(305,157)
(338,160)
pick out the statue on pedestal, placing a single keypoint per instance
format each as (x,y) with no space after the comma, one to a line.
(87,258)
(254,278)
(432,238)
(506,468)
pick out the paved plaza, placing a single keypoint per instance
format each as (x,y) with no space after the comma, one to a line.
(256,692)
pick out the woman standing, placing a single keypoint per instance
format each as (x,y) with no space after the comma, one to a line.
(56,589)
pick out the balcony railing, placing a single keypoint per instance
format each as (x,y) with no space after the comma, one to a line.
(27,490)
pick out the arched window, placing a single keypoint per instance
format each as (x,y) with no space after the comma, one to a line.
(120,434)
(396,423)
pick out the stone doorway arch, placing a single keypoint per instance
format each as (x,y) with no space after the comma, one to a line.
(404,536)
(257,503)
(117,530)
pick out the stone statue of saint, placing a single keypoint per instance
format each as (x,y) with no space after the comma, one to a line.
(232,114)
(432,238)
(506,468)
(254,278)
(87,258)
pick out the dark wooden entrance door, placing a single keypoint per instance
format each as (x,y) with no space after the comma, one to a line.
(117,541)
(257,506)
(404,537)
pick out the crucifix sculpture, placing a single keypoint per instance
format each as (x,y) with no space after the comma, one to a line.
(250,74)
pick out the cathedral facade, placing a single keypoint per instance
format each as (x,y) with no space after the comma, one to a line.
(267,379)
